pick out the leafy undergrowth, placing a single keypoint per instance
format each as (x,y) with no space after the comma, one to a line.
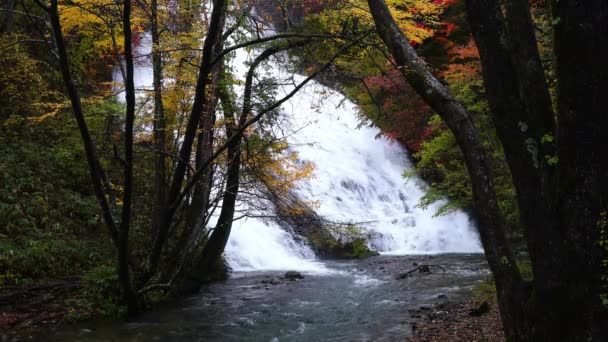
(27,307)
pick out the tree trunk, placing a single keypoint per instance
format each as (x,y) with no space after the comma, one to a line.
(511,290)
(217,241)
(73,94)
(204,149)
(582,191)
(92,156)
(125,222)
(198,271)
(521,109)
(214,247)
(200,99)
(8,17)
(560,205)
(160,168)
(563,207)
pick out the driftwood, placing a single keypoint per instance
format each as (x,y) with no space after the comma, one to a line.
(421,268)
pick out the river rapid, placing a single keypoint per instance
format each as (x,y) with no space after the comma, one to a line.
(358,300)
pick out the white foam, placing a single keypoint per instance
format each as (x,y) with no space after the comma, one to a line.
(357,179)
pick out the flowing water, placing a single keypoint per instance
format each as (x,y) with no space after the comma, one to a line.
(356,301)
(357,179)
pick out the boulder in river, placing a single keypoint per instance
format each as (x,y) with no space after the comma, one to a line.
(424,269)
(271,281)
(293,275)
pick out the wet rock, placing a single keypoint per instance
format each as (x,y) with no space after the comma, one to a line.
(85,331)
(293,275)
(480,310)
(442,296)
(424,269)
(271,281)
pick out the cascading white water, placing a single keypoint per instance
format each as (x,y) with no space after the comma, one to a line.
(357,179)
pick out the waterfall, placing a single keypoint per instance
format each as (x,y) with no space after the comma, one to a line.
(358,178)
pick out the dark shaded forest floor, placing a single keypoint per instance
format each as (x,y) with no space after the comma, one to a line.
(26,309)
(457,322)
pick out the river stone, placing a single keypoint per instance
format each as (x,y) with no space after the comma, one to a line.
(293,275)
(271,281)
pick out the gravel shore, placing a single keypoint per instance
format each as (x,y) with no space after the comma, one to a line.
(456,322)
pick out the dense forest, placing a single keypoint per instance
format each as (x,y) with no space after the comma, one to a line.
(139,138)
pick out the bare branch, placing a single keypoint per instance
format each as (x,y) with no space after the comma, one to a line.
(255,119)
(421,268)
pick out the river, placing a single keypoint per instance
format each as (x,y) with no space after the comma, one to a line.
(357,300)
(358,177)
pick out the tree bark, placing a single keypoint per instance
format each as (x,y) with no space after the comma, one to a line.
(160,168)
(204,148)
(125,222)
(74,95)
(521,108)
(200,99)
(93,161)
(561,206)
(8,18)
(214,247)
(582,189)
(510,288)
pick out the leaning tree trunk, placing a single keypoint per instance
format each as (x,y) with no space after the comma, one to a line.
(174,196)
(563,207)
(197,271)
(197,212)
(510,288)
(119,235)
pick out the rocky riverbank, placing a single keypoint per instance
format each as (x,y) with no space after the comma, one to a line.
(468,321)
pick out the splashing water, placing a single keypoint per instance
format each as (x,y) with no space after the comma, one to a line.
(357,179)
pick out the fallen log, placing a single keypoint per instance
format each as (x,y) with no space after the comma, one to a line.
(421,268)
